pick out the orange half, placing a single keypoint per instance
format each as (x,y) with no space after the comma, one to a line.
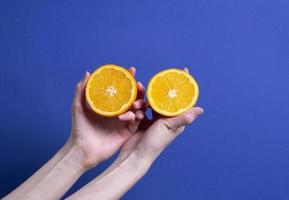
(110,90)
(172,91)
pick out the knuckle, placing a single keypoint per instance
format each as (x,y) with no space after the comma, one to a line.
(188,118)
(140,115)
(75,107)
(170,129)
(131,115)
(166,127)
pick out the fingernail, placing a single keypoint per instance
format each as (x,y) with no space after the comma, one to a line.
(186,70)
(133,69)
(84,75)
(199,110)
(135,105)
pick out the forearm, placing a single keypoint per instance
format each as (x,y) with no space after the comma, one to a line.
(115,181)
(54,178)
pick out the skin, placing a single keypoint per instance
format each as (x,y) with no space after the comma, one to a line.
(94,139)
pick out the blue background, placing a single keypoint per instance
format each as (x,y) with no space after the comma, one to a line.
(237,50)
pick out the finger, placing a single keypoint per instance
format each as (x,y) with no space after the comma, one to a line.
(186,70)
(126,117)
(79,97)
(184,119)
(132,70)
(85,78)
(141,90)
(133,126)
(139,115)
(156,139)
(138,104)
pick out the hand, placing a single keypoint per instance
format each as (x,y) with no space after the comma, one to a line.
(137,154)
(147,143)
(99,137)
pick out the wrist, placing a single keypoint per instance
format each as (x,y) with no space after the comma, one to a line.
(55,177)
(117,179)
(74,156)
(134,164)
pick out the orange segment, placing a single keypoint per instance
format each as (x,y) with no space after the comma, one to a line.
(110,90)
(171,92)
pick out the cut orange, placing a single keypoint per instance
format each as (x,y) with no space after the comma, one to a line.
(172,91)
(110,90)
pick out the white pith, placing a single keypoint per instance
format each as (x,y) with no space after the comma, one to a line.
(111,91)
(172,93)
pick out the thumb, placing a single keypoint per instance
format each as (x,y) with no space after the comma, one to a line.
(79,96)
(184,119)
(163,131)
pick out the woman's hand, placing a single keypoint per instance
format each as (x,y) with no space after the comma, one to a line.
(146,145)
(137,154)
(155,134)
(136,157)
(98,138)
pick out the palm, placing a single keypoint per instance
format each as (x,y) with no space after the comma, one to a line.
(99,134)
(100,137)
